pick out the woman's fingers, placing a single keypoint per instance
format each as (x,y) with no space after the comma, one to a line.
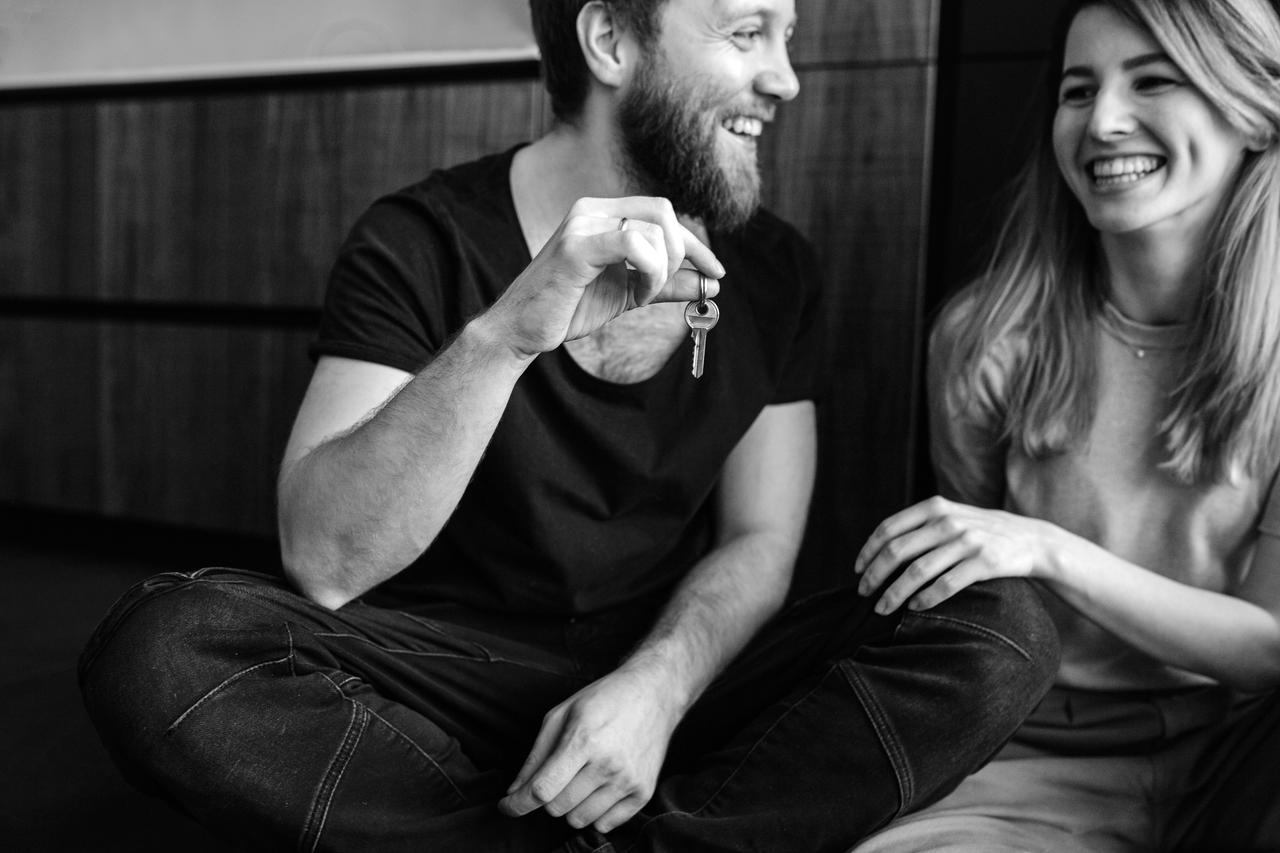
(924,570)
(964,574)
(895,526)
(900,539)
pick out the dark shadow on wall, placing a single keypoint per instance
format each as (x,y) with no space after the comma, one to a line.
(992,74)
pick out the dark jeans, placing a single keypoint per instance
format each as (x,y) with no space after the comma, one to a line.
(289,726)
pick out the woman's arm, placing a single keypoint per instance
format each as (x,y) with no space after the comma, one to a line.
(943,547)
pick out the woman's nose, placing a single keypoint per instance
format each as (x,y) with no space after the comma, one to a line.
(1111,115)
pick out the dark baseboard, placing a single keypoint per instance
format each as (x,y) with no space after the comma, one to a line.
(164,546)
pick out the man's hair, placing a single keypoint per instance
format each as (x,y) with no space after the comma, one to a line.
(1044,286)
(555,28)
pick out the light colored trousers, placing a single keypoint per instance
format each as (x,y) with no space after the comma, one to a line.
(1191,770)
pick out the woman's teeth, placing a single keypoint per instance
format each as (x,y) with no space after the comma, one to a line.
(1115,171)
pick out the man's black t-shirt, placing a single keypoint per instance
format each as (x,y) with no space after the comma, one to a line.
(592,494)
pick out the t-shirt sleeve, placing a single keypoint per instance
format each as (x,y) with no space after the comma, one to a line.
(804,376)
(965,422)
(384,302)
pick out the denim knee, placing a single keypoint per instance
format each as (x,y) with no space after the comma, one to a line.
(165,644)
(976,665)
(1013,610)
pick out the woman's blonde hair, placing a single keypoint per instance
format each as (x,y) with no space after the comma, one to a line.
(1046,282)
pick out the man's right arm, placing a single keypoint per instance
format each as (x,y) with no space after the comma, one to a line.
(379,458)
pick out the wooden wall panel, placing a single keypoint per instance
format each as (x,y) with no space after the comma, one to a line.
(51,452)
(171,423)
(863,203)
(865,31)
(238,199)
(46,198)
(196,420)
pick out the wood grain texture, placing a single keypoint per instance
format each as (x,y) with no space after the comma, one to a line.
(50,381)
(165,423)
(865,31)
(196,420)
(853,175)
(47,197)
(238,199)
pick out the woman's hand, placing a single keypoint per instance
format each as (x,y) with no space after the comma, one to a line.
(947,546)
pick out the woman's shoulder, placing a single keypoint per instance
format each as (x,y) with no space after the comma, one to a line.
(965,330)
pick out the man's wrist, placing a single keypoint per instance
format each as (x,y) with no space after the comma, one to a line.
(664,679)
(489,340)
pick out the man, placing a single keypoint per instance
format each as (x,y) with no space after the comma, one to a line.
(535,554)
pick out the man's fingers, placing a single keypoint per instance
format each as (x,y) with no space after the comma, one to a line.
(684,287)
(545,772)
(680,244)
(548,735)
(595,806)
(700,255)
(645,252)
(546,783)
(620,813)
(588,784)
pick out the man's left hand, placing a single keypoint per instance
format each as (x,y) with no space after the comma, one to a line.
(597,756)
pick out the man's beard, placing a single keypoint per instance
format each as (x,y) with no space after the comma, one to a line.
(671,152)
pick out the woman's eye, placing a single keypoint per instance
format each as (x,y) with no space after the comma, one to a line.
(1154,83)
(747,37)
(1075,94)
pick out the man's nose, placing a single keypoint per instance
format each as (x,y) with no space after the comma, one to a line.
(778,79)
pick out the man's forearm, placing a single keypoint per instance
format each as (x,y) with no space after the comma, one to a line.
(361,506)
(715,612)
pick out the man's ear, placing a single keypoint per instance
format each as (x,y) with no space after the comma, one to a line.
(604,48)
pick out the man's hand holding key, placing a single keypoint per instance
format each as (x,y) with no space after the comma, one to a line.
(580,279)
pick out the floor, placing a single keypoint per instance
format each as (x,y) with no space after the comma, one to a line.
(58,789)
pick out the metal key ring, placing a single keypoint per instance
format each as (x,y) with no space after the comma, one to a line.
(702,292)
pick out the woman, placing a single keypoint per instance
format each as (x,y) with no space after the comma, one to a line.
(1106,420)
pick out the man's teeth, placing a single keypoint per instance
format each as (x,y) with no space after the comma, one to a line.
(1125,169)
(744,125)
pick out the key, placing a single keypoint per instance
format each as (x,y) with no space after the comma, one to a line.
(701,316)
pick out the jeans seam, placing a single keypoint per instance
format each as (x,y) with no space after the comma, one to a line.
(212,692)
(314,825)
(885,734)
(976,628)
(293,662)
(375,715)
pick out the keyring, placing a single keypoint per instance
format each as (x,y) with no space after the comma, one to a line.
(702,291)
